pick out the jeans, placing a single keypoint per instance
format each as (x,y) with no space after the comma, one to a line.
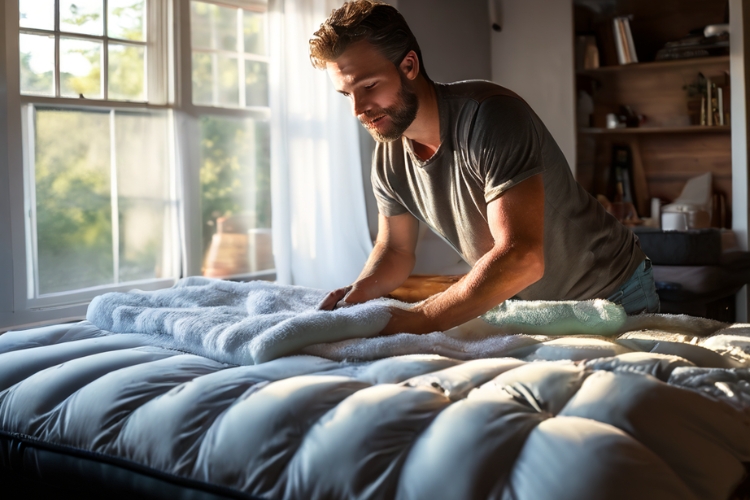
(638,294)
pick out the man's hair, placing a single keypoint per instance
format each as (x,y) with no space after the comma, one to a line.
(372,20)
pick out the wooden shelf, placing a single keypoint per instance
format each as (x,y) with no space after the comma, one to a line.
(692,129)
(657,65)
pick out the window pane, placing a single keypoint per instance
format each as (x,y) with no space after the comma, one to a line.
(256,83)
(235,196)
(39,14)
(255,32)
(126,19)
(213,26)
(80,68)
(202,78)
(74,224)
(144,201)
(37,55)
(82,16)
(225,28)
(229,85)
(126,72)
(200,24)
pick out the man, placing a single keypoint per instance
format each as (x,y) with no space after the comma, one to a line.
(474,162)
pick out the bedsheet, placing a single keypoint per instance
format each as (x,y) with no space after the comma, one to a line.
(645,414)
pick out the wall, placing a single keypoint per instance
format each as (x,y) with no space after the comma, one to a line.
(6,252)
(533,56)
(454,37)
(739,52)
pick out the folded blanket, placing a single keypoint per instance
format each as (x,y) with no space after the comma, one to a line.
(250,323)
(241,323)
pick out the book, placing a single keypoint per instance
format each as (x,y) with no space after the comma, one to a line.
(709,103)
(629,39)
(624,40)
(622,172)
(605,40)
(619,41)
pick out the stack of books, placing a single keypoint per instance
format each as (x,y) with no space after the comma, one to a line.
(714,104)
(624,40)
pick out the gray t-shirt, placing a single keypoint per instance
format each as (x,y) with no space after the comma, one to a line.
(491,140)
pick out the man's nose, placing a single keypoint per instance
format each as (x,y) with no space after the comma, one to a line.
(359,105)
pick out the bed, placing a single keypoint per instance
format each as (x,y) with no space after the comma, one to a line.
(657,408)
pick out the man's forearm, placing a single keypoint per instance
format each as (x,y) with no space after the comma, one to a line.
(496,277)
(386,269)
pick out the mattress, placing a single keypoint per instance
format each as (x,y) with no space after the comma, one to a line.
(643,415)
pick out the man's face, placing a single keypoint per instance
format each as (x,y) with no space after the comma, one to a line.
(382,96)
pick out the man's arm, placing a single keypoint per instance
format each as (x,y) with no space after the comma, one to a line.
(390,262)
(516,260)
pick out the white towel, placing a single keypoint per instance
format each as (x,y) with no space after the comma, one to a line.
(241,323)
(249,323)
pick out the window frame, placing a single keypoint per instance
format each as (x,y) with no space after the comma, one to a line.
(157,83)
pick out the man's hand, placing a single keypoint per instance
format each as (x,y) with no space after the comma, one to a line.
(390,262)
(331,301)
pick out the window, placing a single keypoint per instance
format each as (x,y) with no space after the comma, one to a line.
(230,73)
(114,197)
(230,66)
(102,211)
(100,189)
(76,48)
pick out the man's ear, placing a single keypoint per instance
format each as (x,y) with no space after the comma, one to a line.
(410,65)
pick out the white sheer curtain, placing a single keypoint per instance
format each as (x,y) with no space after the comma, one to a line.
(320,234)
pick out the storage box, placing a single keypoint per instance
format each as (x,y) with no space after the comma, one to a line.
(694,247)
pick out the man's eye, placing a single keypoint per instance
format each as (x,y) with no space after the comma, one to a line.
(368,87)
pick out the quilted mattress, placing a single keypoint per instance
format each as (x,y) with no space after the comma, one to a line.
(641,416)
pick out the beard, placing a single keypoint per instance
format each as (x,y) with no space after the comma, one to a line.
(401,115)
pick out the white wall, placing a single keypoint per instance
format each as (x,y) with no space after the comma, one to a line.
(6,251)
(454,37)
(533,56)
(739,52)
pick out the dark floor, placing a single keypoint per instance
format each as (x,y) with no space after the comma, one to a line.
(17,488)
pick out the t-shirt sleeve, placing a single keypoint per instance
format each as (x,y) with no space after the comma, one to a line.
(388,205)
(505,144)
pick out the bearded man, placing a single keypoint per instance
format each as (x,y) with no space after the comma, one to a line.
(475,163)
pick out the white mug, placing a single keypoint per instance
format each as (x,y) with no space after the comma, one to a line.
(674,221)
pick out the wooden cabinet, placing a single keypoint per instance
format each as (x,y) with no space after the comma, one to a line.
(667,148)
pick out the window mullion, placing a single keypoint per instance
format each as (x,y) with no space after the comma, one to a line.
(157,77)
(105,54)
(114,199)
(32,271)
(240,58)
(56,76)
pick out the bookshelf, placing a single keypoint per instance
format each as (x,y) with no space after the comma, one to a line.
(669,147)
(689,129)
